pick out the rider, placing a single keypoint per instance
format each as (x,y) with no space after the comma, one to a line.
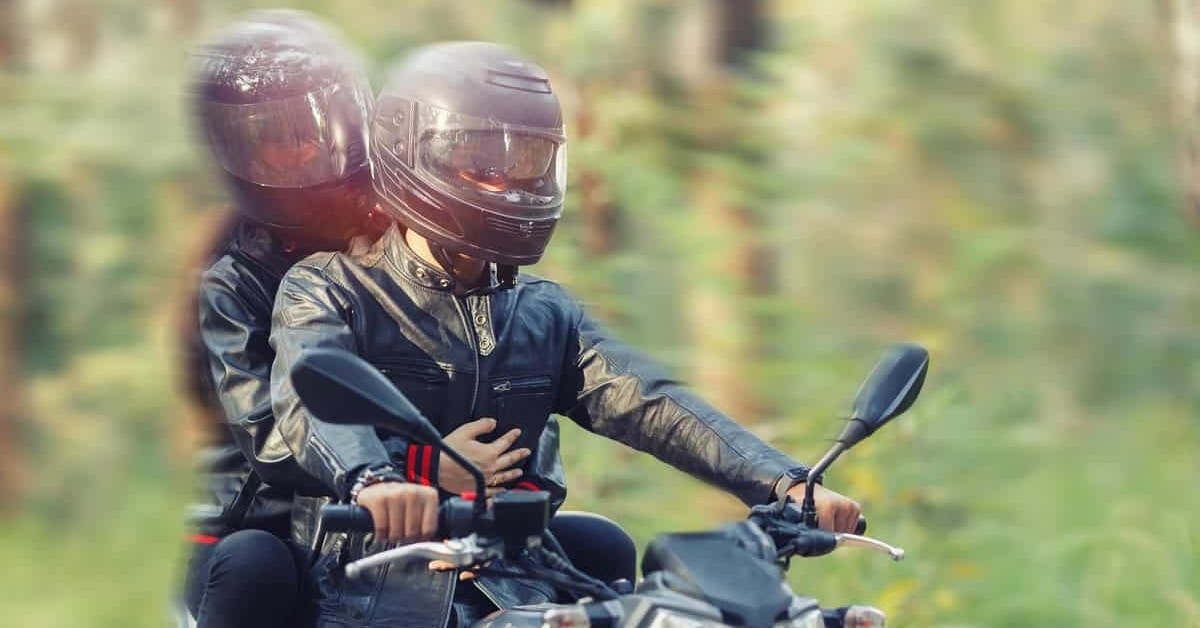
(469,158)
(283,108)
(282,105)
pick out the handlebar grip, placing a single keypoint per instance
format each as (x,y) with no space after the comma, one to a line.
(454,518)
(347,518)
(861,528)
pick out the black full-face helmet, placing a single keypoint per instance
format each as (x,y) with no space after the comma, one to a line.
(284,107)
(469,151)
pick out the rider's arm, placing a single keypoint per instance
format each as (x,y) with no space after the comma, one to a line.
(310,311)
(235,317)
(617,392)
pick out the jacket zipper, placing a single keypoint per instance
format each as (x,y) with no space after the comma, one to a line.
(460,305)
(521,383)
(429,374)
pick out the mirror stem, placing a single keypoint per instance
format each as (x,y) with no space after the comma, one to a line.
(808,509)
(476,474)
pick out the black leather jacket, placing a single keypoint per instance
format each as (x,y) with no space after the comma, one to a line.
(250,470)
(518,355)
(252,475)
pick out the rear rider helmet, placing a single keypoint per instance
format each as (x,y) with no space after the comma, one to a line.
(284,106)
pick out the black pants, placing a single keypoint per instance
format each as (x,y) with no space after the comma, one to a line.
(596,545)
(249,578)
(252,578)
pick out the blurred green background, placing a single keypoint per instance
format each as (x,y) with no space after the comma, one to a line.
(764,195)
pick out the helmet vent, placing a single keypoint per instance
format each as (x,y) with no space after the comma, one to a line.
(522,82)
(523,228)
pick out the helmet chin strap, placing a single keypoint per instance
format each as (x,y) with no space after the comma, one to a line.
(499,276)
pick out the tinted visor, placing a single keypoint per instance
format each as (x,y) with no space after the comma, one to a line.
(494,165)
(295,142)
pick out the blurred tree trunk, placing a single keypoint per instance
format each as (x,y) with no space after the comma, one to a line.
(184,15)
(599,214)
(80,24)
(1180,23)
(731,251)
(12,479)
(10,34)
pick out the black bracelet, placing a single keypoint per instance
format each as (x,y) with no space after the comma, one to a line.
(792,477)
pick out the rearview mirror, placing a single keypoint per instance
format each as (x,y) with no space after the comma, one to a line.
(339,387)
(888,391)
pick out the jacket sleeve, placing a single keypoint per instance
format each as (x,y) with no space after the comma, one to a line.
(234,328)
(312,312)
(614,391)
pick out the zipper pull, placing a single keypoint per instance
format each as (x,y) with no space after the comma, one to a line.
(503,386)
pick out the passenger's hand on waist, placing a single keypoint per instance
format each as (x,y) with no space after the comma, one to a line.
(403,513)
(494,459)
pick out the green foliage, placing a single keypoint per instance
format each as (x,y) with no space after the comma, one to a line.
(994,180)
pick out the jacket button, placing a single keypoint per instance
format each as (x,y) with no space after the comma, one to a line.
(485,344)
(421,274)
(445,283)
(480,319)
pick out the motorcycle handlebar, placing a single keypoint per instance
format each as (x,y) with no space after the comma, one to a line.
(351,518)
(455,518)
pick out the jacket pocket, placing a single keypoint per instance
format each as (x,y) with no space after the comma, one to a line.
(423,382)
(523,401)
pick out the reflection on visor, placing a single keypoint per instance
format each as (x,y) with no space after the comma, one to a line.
(296,142)
(493,161)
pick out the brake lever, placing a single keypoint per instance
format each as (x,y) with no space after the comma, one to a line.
(866,542)
(459,553)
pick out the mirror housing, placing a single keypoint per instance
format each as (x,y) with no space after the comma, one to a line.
(888,391)
(339,387)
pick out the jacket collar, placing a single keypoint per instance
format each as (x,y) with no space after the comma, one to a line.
(421,272)
(257,244)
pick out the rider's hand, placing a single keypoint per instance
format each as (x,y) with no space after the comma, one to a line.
(441,565)
(402,512)
(835,512)
(494,459)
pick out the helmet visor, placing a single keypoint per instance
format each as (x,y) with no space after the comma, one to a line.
(499,167)
(295,142)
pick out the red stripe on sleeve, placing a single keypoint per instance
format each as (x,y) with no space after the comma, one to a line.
(411,471)
(427,462)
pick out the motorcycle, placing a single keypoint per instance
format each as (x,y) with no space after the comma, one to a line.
(733,576)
